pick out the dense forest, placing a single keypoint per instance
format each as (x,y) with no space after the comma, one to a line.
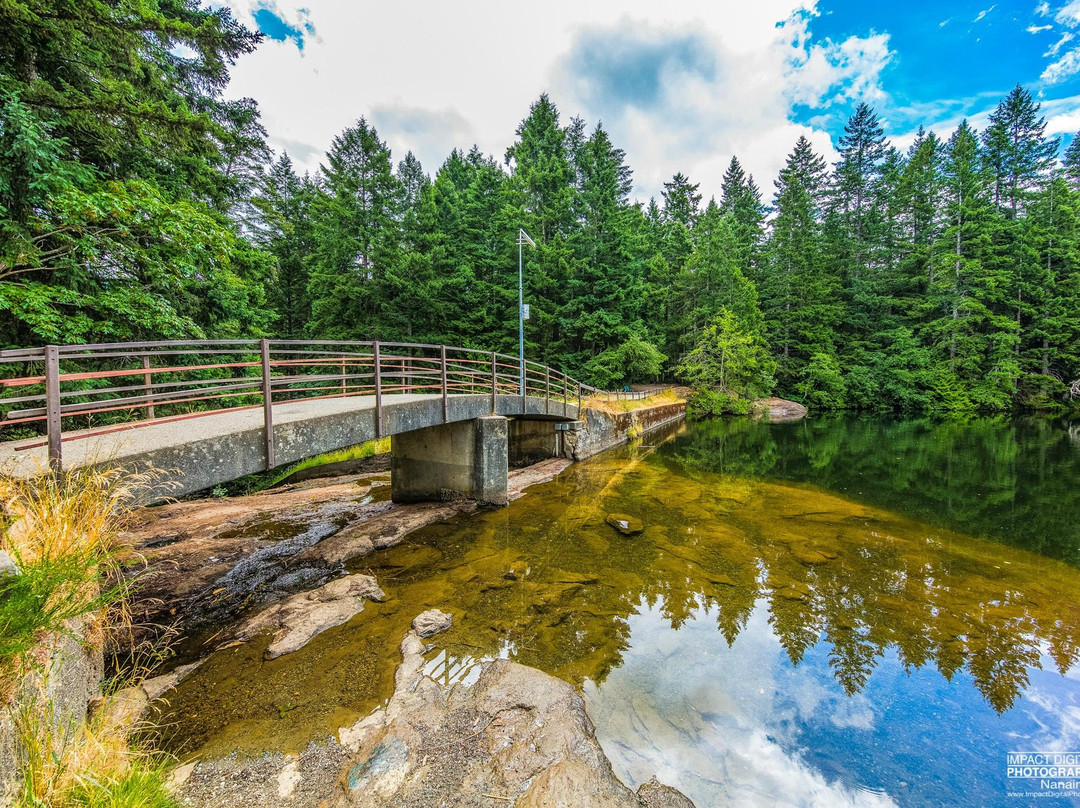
(136,202)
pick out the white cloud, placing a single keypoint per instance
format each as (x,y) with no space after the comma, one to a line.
(1038,29)
(1066,38)
(1069,14)
(1043,9)
(984,12)
(1062,115)
(722,738)
(1061,69)
(451,75)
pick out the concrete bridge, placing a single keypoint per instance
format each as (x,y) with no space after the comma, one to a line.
(205,413)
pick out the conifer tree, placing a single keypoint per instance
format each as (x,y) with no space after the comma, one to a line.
(357,223)
(281,225)
(741,200)
(799,293)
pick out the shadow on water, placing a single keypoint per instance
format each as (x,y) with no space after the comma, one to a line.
(735,535)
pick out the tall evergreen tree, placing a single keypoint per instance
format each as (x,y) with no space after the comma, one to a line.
(542,185)
(741,200)
(799,293)
(1016,149)
(119,159)
(862,149)
(281,224)
(605,294)
(357,222)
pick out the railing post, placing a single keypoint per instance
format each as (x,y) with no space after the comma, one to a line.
(565,394)
(494,383)
(268,404)
(149,387)
(445,402)
(378,392)
(344,386)
(547,390)
(52,408)
(579,399)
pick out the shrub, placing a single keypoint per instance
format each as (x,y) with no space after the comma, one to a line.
(710,403)
(633,360)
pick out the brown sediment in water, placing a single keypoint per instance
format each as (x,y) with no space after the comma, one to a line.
(549,584)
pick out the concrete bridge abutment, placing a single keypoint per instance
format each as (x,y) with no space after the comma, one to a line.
(532,441)
(448,461)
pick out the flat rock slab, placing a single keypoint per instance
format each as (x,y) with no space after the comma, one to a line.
(296,620)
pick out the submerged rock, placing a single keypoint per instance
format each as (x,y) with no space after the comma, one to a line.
(431,622)
(625,524)
(809,556)
(296,620)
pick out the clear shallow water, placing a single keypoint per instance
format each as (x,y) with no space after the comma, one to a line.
(765,641)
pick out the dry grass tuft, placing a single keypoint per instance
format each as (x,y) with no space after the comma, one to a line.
(89,764)
(65,536)
(613,406)
(78,515)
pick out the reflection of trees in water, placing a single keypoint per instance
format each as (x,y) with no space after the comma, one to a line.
(1012,480)
(860,580)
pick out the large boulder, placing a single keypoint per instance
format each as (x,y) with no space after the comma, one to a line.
(517,735)
(778,410)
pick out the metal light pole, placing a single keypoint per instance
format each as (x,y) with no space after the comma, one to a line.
(523,239)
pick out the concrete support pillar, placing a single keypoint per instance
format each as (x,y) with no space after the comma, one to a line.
(450,461)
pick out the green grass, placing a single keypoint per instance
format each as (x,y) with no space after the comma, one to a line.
(40,601)
(253,483)
(143,786)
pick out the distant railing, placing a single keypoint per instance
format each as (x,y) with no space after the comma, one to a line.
(113,386)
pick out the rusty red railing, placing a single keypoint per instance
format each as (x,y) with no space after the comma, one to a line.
(110,386)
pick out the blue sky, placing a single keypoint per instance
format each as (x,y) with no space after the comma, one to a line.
(680,86)
(955,59)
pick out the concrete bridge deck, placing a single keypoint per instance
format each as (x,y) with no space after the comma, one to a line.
(206,449)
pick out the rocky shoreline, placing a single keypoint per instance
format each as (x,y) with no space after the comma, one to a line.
(513,735)
(273,563)
(206,564)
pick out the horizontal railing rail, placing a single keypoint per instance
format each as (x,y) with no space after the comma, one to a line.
(101,388)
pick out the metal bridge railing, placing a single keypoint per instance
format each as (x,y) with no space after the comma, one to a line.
(112,386)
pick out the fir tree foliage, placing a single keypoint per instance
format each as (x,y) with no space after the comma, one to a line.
(136,202)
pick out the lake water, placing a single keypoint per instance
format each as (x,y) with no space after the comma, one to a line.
(833,612)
